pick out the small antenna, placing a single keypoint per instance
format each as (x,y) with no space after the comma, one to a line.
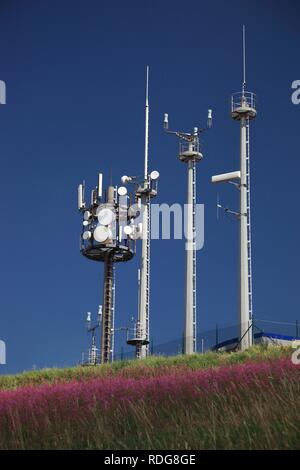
(218,205)
(244,59)
(146,125)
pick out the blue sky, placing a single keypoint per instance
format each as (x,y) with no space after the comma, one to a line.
(75,73)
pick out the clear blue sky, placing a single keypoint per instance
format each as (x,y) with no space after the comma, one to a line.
(75,74)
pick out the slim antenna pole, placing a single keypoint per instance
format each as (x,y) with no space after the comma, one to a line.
(143,320)
(244,59)
(146,126)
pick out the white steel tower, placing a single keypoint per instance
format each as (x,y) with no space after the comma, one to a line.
(189,153)
(144,298)
(145,191)
(243,109)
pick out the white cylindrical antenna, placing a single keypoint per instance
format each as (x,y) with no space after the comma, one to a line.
(209,118)
(147,126)
(100,314)
(88,317)
(81,196)
(244,59)
(166,121)
(100,176)
(120,233)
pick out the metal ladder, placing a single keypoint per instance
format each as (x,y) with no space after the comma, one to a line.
(148,270)
(249,220)
(113,301)
(108,309)
(194,261)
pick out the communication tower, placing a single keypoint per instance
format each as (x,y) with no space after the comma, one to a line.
(189,153)
(105,238)
(145,190)
(243,109)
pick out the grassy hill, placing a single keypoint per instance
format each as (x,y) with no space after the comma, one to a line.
(242,400)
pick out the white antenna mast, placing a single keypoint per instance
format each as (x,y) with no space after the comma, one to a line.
(146,190)
(146,126)
(243,109)
(143,318)
(189,153)
(244,59)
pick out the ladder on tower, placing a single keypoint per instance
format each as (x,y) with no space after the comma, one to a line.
(148,269)
(113,301)
(194,260)
(108,309)
(249,220)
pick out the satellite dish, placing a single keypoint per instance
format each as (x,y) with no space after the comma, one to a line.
(126,179)
(128,230)
(122,191)
(85,223)
(86,215)
(105,216)
(101,233)
(154,175)
(87,235)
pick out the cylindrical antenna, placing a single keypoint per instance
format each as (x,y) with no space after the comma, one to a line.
(100,185)
(244,59)
(110,194)
(147,126)
(81,196)
(166,121)
(99,314)
(209,118)
(88,319)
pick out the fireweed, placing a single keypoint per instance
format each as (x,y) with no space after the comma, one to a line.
(46,411)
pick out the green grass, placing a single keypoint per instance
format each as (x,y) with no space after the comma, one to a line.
(143,367)
(182,402)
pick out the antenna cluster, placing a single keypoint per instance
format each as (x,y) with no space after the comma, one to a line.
(113,221)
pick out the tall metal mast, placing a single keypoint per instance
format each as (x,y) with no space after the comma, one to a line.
(143,320)
(145,191)
(189,152)
(243,109)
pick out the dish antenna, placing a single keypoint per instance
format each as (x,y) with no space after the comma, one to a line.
(103,239)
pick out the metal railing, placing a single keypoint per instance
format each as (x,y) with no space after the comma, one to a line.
(245,100)
(91,358)
(208,340)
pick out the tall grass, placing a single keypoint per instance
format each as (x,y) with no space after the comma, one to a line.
(241,406)
(149,366)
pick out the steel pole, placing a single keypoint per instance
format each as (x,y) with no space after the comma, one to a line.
(142,350)
(189,321)
(246,336)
